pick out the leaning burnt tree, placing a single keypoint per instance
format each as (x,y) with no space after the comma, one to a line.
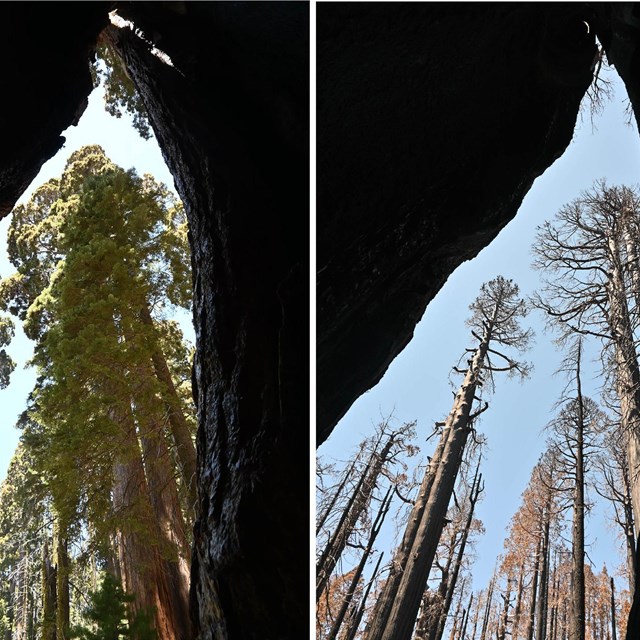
(387,444)
(495,322)
(588,256)
(449,557)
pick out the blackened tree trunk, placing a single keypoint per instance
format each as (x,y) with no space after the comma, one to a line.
(375,529)
(239,155)
(534,585)
(613,611)
(487,609)
(356,617)
(330,506)
(497,312)
(456,618)
(517,612)
(405,608)
(504,616)
(463,631)
(495,321)
(451,583)
(382,608)
(543,600)
(577,626)
(352,513)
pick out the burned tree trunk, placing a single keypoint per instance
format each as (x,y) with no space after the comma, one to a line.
(353,511)
(382,607)
(497,312)
(240,158)
(451,584)
(375,529)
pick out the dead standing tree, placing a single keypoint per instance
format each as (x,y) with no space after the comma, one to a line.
(394,442)
(588,257)
(574,438)
(495,322)
(613,484)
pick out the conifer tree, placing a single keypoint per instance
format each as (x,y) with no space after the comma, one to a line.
(494,323)
(100,255)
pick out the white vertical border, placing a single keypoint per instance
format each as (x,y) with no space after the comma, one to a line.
(312,314)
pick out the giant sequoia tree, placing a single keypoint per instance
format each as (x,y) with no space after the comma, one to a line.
(100,255)
(495,324)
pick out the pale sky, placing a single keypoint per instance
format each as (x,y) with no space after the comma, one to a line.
(416,385)
(127,149)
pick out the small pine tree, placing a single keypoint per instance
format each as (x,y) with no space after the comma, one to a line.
(108,614)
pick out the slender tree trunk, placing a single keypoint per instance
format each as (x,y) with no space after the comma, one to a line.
(405,608)
(456,618)
(555,598)
(463,632)
(487,609)
(180,430)
(62,582)
(20,602)
(338,492)
(534,586)
(504,617)
(577,626)
(375,529)
(49,597)
(543,600)
(451,583)
(613,610)
(354,620)
(352,513)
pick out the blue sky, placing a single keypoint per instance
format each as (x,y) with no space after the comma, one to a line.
(416,386)
(125,147)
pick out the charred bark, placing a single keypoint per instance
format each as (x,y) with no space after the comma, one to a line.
(352,513)
(382,607)
(231,117)
(456,431)
(375,530)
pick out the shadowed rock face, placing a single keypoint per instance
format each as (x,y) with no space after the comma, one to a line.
(433,122)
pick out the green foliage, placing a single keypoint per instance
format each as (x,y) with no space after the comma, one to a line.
(108,614)
(120,94)
(101,256)
(7,365)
